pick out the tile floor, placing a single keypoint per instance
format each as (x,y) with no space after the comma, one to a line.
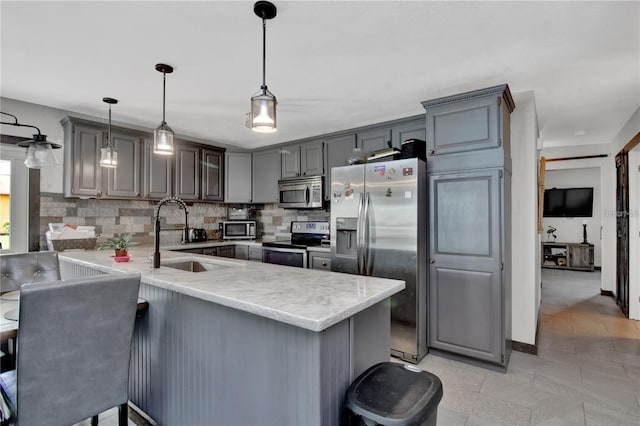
(587,371)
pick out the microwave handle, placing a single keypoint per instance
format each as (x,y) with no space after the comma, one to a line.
(306,194)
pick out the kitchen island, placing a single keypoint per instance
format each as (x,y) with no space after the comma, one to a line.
(245,343)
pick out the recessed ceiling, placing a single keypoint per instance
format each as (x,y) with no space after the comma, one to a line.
(332,65)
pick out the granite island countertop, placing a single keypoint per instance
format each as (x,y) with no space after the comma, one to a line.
(306,298)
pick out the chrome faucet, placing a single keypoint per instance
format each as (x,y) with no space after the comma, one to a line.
(156,233)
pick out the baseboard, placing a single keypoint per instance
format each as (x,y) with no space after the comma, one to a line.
(525,347)
(607,293)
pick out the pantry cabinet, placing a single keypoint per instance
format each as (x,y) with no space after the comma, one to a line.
(237,178)
(265,176)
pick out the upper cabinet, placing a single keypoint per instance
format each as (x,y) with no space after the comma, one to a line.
(468,122)
(336,151)
(82,171)
(266,173)
(374,140)
(411,130)
(125,181)
(195,172)
(212,166)
(237,178)
(305,159)
(157,173)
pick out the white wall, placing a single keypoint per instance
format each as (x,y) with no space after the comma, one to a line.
(525,276)
(628,131)
(569,229)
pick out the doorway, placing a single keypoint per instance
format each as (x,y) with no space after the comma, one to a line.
(14,200)
(622,231)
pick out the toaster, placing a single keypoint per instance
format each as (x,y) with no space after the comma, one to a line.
(197,235)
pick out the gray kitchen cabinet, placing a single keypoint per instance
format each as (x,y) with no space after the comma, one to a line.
(237,179)
(82,171)
(412,130)
(305,159)
(255,253)
(212,166)
(337,149)
(157,173)
(265,176)
(210,251)
(374,140)
(227,251)
(187,171)
(468,122)
(320,261)
(125,181)
(242,252)
(469,177)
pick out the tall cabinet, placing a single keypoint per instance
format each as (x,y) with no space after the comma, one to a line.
(469,178)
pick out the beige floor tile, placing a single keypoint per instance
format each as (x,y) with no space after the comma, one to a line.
(446,417)
(592,377)
(458,400)
(597,415)
(627,345)
(501,412)
(516,393)
(572,414)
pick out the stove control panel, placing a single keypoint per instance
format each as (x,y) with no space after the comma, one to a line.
(310,227)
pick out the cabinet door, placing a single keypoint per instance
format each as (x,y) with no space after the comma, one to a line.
(125,180)
(374,140)
(580,256)
(237,181)
(466,304)
(242,252)
(87,173)
(255,253)
(227,251)
(413,130)
(211,251)
(463,126)
(337,150)
(157,173)
(212,175)
(312,158)
(266,173)
(290,161)
(187,172)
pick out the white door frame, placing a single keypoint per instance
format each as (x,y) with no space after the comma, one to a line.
(634,233)
(19,199)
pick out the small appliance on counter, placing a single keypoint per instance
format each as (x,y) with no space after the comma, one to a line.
(238,230)
(197,235)
(293,252)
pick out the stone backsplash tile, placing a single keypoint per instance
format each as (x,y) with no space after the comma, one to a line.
(111,217)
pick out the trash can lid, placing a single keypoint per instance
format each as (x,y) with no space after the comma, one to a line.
(394,394)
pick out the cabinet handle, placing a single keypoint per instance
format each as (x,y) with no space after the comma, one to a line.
(432,151)
(324,263)
(99,194)
(432,260)
(137,194)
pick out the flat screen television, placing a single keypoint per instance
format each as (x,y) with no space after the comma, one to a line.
(568,202)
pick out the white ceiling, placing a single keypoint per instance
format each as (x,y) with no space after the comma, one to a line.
(332,65)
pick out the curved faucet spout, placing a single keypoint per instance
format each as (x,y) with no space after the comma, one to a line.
(156,233)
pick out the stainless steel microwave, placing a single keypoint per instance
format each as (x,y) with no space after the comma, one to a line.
(238,230)
(305,193)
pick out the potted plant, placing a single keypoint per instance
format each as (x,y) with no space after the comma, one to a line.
(119,243)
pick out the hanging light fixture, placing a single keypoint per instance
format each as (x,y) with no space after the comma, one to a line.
(108,156)
(163,135)
(39,150)
(263,103)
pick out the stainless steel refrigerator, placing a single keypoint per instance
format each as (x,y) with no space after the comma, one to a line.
(378,228)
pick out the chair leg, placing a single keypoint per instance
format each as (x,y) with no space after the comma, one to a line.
(123,414)
(94,421)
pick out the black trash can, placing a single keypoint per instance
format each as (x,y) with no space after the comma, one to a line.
(394,394)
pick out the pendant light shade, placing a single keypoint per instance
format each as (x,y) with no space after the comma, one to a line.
(39,150)
(163,135)
(108,155)
(263,103)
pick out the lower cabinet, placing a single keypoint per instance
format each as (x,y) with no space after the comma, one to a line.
(242,252)
(221,251)
(321,261)
(255,253)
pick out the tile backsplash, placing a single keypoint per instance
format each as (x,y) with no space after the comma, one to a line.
(117,216)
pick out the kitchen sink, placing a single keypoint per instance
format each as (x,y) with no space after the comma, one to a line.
(195,265)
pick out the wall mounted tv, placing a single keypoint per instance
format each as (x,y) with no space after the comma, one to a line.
(568,202)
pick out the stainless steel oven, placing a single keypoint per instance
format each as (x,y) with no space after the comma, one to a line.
(306,193)
(285,256)
(238,230)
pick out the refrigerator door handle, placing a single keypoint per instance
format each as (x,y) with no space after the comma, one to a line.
(367,236)
(359,236)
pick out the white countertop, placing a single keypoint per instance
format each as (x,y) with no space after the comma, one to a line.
(211,243)
(306,298)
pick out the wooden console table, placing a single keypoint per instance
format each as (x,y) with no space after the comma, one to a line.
(575,256)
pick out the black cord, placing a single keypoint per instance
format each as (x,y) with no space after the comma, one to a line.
(16,122)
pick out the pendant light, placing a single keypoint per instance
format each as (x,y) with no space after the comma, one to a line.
(163,135)
(108,156)
(263,103)
(39,150)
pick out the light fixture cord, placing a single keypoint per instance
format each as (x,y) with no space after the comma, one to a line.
(264,52)
(164,88)
(109,135)
(16,122)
